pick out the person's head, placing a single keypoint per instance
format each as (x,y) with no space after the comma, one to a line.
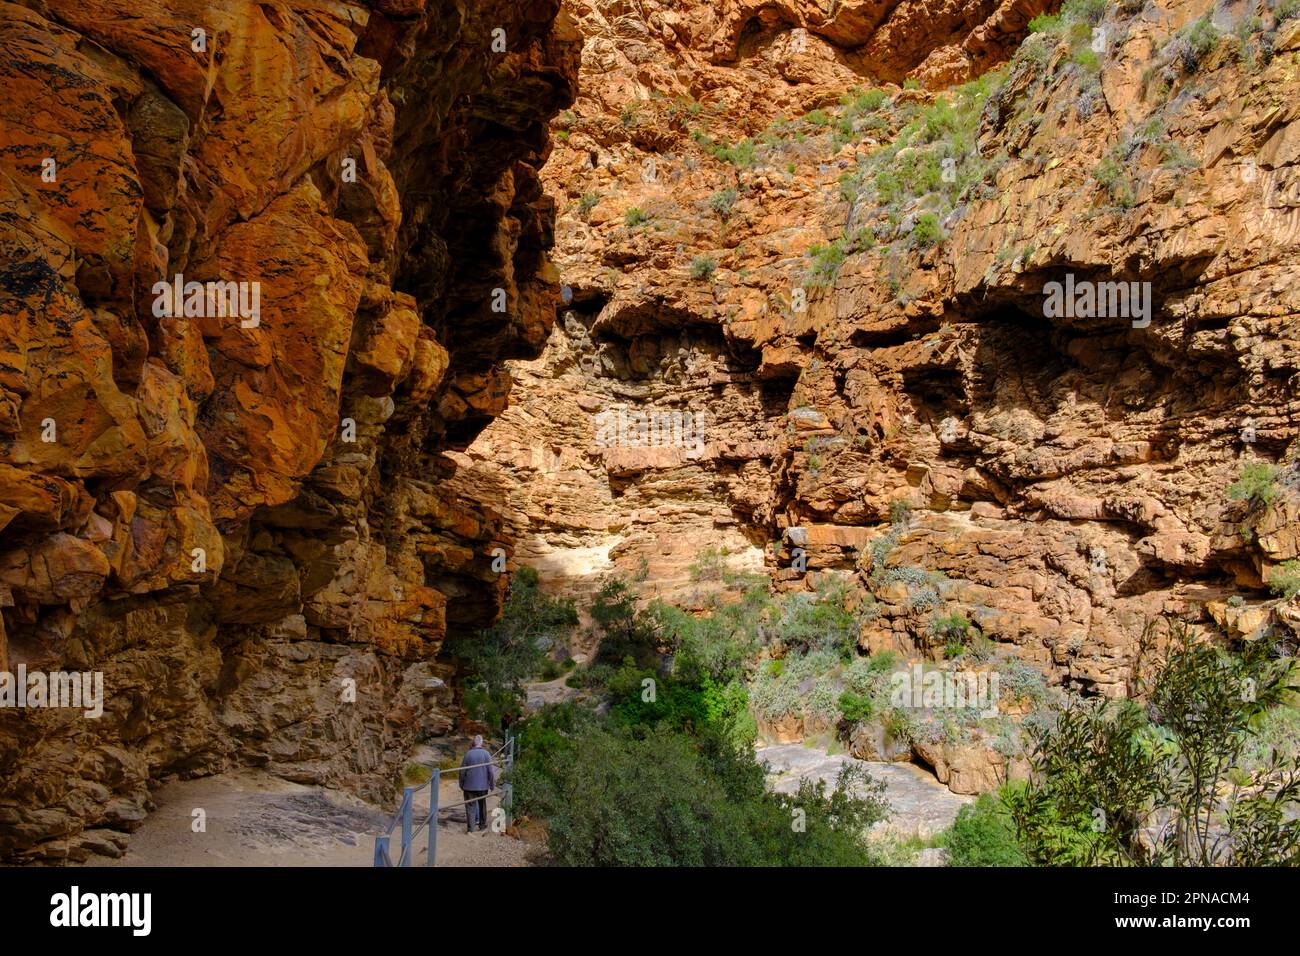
(478,740)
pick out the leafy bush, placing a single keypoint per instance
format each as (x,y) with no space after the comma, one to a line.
(1257,485)
(856,708)
(927,232)
(635,217)
(1023,681)
(708,565)
(1115,783)
(743,155)
(1285,579)
(826,261)
(1110,173)
(804,685)
(984,835)
(722,201)
(702,267)
(501,657)
(900,512)
(625,632)
(588,202)
(611,796)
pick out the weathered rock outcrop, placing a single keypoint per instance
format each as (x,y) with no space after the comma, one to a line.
(734,245)
(242,516)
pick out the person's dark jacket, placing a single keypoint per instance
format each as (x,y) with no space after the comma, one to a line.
(478,777)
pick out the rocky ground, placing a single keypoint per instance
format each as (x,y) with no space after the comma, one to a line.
(253,818)
(919,805)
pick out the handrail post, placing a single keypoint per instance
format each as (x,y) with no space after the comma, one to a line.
(508,788)
(381,850)
(434,787)
(408,800)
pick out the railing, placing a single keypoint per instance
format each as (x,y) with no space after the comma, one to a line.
(429,824)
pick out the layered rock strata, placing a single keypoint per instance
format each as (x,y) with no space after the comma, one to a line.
(238,510)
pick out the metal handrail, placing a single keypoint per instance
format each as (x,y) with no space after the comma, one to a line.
(429,822)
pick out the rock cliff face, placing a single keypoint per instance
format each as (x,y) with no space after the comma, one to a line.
(806,321)
(243,516)
(855,291)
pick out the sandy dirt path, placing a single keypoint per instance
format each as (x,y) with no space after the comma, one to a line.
(256,819)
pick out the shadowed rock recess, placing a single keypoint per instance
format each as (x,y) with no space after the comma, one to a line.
(826,230)
(243,525)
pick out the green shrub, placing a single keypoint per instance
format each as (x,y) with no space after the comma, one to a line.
(743,155)
(1110,174)
(588,202)
(722,201)
(415,774)
(984,835)
(1045,23)
(826,261)
(927,232)
(1203,37)
(856,708)
(708,565)
(702,267)
(1257,485)
(612,796)
(1117,783)
(499,659)
(635,217)
(624,631)
(1087,59)
(1285,579)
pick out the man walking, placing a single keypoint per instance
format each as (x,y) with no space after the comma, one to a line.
(478,776)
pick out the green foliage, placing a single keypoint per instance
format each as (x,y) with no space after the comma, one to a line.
(984,835)
(500,658)
(588,202)
(625,632)
(856,708)
(900,513)
(722,201)
(709,565)
(804,685)
(857,103)
(719,645)
(703,267)
(415,774)
(635,217)
(927,232)
(1074,13)
(1086,59)
(1022,681)
(1287,10)
(1203,37)
(1285,579)
(612,795)
(1115,783)
(743,155)
(1111,175)
(826,261)
(1045,23)
(954,630)
(1257,485)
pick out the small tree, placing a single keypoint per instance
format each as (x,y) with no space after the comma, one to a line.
(1147,782)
